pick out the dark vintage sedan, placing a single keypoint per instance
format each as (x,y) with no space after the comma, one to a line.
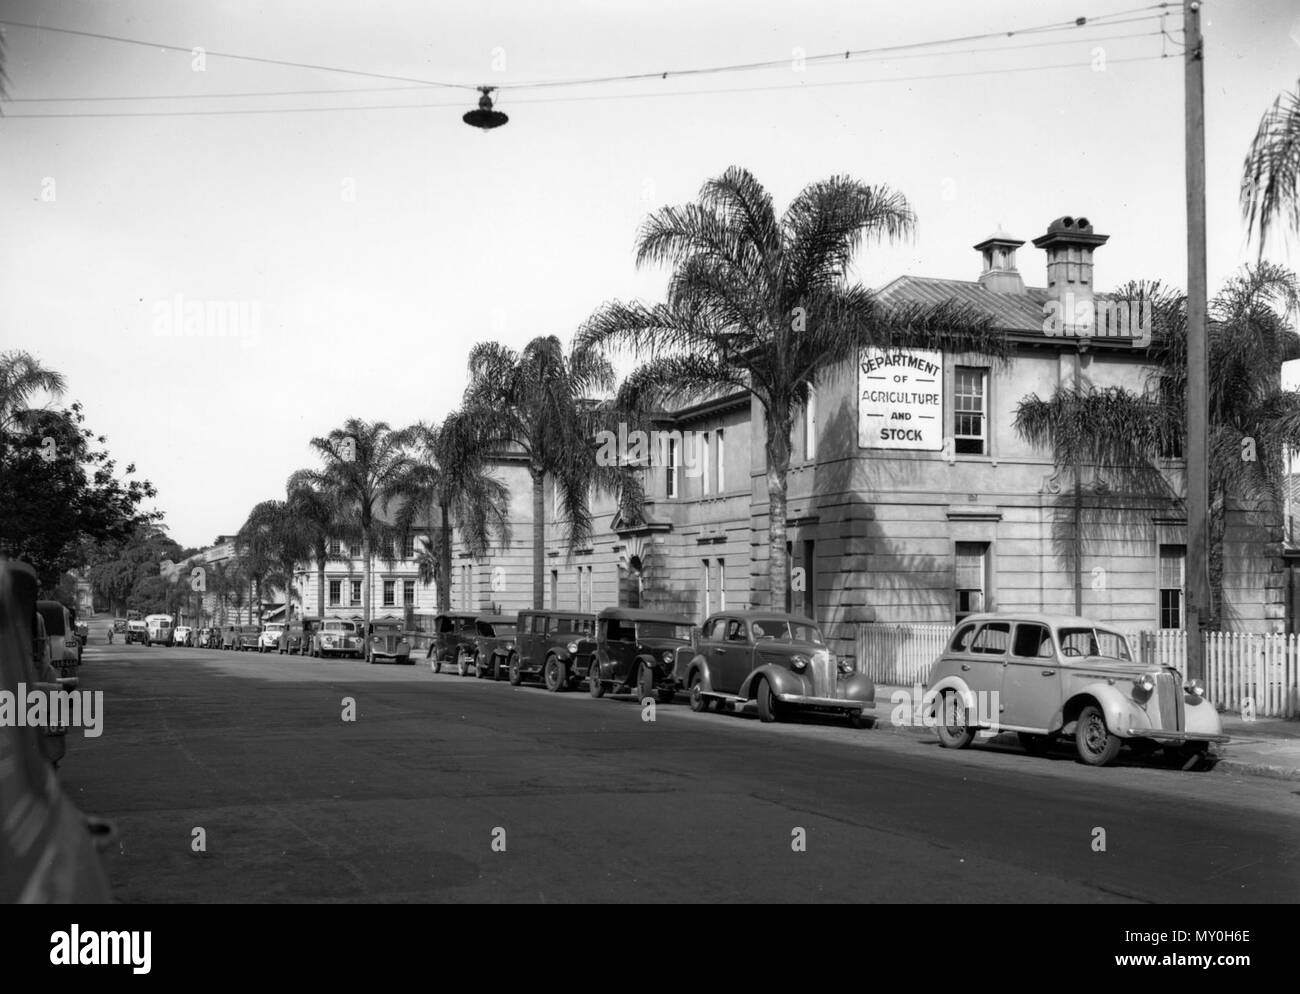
(636,651)
(779,661)
(452,642)
(297,635)
(248,638)
(337,637)
(386,639)
(554,646)
(494,644)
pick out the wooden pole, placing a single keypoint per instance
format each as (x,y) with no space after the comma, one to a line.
(1197,483)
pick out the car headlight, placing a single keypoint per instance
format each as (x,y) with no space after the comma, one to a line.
(846,665)
(1144,684)
(799,662)
(667,657)
(1195,688)
(572,647)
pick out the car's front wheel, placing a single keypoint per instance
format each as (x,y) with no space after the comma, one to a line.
(860,719)
(516,674)
(594,686)
(699,702)
(556,674)
(953,725)
(496,668)
(767,702)
(1095,743)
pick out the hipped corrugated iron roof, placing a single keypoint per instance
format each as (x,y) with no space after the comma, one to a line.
(1008,311)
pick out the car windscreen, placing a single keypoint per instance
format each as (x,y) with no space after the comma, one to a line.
(497,629)
(783,630)
(663,630)
(53,619)
(1097,642)
(340,626)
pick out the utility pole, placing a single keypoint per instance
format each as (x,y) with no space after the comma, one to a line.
(1198,573)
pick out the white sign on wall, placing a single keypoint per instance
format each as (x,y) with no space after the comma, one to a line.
(900,399)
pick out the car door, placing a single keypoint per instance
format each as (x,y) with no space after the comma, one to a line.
(619,637)
(981,666)
(1032,681)
(734,661)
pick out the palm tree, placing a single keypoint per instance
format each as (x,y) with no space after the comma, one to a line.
(317,517)
(276,535)
(537,403)
(237,576)
(221,575)
(761,303)
(21,377)
(454,479)
(1270,181)
(1253,420)
(366,468)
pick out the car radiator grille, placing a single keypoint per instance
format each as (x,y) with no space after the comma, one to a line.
(1167,696)
(823,673)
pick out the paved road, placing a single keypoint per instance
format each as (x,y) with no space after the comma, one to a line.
(598,805)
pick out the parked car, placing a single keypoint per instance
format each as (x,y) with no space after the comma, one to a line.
(635,649)
(160,628)
(553,646)
(385,638)
(779,661)
(119,626)
(66,647)
(83,632)
(249,638)
(336,637)
(230,637)
(269,639)
(214,638)
(296,637)
(493,643)
(49,855)
(183,635)
(452,642)
(1062,675)
(137,631)
(45,675)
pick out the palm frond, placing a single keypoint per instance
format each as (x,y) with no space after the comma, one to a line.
(1270,182)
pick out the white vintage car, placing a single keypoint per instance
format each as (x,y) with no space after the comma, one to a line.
(269,640)
(1045,676)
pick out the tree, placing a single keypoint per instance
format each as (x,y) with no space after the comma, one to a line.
(317,516)
(276,539)
(60,491)
(1252,418)
(538,403)
(221,576)
(366,467)
(761,303)
(453,478)
(1270,181)
(21,377)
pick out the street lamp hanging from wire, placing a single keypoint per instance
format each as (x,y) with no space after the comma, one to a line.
(484,116)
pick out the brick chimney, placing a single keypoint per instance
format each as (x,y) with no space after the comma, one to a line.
(1000,274)
(1069,244)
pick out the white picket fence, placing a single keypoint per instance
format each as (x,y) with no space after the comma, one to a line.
(900,654)
(1259,671)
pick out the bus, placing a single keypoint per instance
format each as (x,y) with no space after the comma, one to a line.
(159,628)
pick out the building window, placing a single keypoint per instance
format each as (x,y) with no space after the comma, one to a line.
(722,585)
(336,593)
(555,500)
(971,578)
(555,589)
(706,590)
(719,476)
(466,582)
(810,425)
(408,547)
(356,592)
(706,476)
(390,593)
(1173,579)
(970,414)
(334,547)
(408,593)
(672,468)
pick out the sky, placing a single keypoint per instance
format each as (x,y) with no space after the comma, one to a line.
(218,288)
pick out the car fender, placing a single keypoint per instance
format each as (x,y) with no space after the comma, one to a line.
(859,687)
(696,663)
(1120,711)
(1200,717)
(931,694)
(783,681)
